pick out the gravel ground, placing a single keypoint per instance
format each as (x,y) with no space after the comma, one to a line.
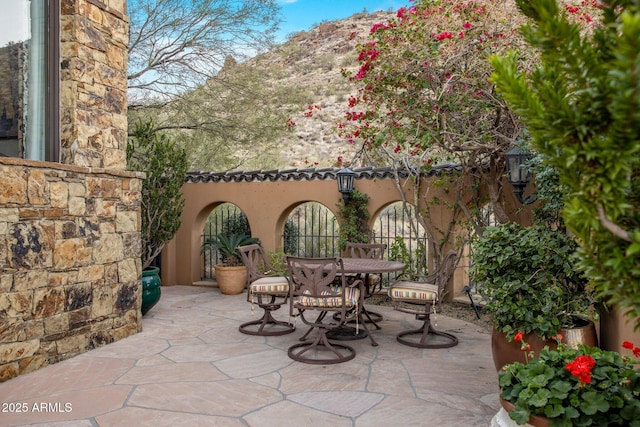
(452,309)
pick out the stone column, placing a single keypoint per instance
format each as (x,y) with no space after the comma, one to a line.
(93,49)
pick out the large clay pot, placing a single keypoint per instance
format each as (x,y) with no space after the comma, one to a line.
(150,288)
(231,280)
(534,420)
(505,352)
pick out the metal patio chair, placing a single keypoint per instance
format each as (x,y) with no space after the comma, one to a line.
(266,291)
(313,296)
(372,283)
(421,299)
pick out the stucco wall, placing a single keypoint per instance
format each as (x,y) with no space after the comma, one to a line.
(70,232)
(268,202)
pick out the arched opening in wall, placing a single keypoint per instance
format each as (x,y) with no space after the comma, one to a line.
(486,218)
(405,243)
(225,218)
(311,230)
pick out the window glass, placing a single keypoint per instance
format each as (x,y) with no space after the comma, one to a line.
(25,79)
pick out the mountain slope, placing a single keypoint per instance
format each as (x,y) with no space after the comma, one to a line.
(311,61)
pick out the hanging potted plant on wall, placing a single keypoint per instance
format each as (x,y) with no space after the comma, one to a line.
(162,202)
(231,273)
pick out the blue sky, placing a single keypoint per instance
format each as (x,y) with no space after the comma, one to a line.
(304,14)
(297,15)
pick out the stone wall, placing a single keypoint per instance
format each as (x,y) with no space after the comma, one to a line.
(70,258)
(70,232)
(93,83)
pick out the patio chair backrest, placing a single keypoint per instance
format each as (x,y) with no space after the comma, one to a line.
(314,277)
(365,250)
(254,259)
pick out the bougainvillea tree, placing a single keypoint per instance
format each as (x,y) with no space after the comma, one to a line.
(582,106)
(424,98)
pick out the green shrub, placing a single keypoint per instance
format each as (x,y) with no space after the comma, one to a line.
(165,166)
(528,279)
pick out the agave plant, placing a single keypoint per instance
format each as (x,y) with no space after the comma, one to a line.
(227,245)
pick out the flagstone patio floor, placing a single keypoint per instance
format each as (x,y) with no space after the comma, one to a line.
(190,366)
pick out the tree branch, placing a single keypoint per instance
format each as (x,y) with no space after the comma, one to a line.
(614,228)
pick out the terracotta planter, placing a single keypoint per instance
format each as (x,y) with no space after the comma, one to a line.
(150,288)
(505,352)
(534,420)
(231,280)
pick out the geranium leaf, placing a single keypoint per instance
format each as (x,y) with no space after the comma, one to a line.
(560,389)
(540,398)
(571,412)
(520,415)
(593,402)
(553,411)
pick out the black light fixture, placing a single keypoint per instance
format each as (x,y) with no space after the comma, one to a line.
(518,172)
(345,179)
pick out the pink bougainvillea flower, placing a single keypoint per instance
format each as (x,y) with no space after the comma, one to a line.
(363,71)
(444,35)
(377,27)
(404,12)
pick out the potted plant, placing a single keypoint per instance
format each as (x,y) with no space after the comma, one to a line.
(162,202)
(583,386)
(231,274)
(527,279)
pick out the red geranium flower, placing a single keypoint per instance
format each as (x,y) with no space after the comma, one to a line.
(581,368)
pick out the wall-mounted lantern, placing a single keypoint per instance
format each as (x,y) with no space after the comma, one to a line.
(345,179)
(518,172)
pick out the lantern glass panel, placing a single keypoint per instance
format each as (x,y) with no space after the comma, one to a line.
(518,172)
(345,181)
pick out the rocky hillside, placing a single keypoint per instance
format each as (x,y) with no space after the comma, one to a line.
(312,61)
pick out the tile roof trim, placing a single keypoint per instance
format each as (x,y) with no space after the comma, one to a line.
(310,174)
